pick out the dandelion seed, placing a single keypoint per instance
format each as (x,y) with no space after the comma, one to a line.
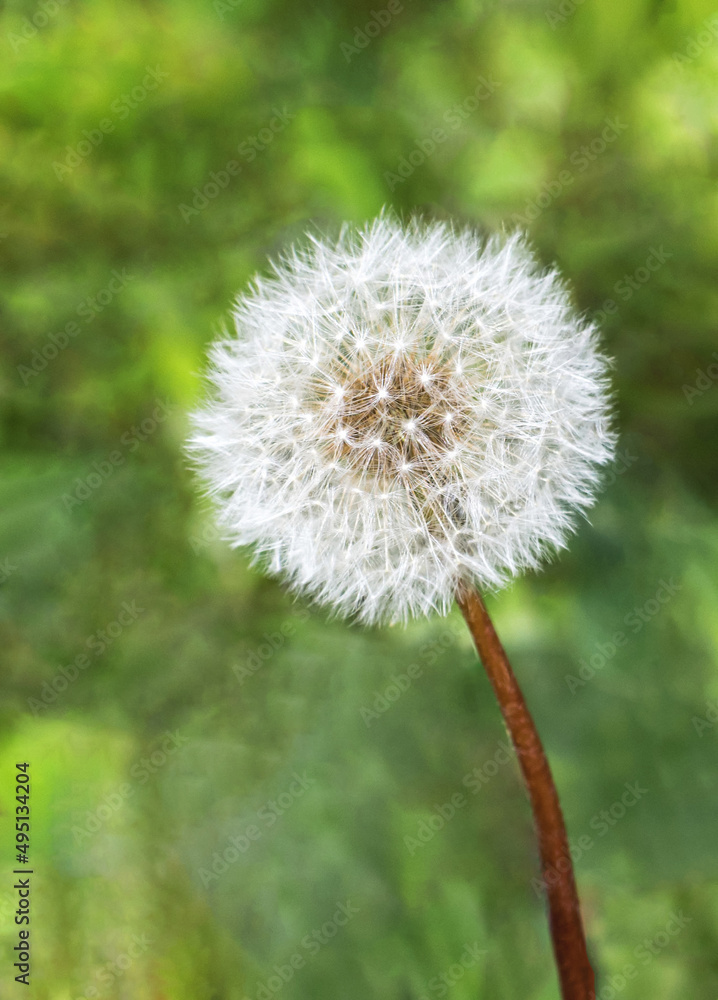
(475,352)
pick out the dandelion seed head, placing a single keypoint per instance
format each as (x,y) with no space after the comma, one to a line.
(400,410)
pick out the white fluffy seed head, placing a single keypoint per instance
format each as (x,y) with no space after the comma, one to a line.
(402,409)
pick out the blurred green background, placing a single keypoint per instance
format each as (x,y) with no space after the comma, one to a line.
(152,155)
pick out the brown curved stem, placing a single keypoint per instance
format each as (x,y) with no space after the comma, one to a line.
(569,942)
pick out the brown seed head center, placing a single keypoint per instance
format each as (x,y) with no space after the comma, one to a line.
(398,419)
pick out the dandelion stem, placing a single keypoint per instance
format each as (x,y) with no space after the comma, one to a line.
(569,942)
